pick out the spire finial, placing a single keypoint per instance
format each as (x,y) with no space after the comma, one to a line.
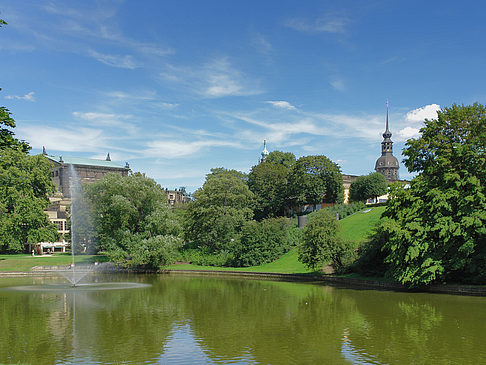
(108,158)
(264,152)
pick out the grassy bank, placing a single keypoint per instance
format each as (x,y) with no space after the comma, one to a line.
(23,262)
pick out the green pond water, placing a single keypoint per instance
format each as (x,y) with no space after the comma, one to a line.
(173,319)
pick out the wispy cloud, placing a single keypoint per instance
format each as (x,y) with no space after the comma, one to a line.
(329,23)
(119,61)
(65,139)
(215,79)
(281,104)
(121,121)
(337,84)
(177,148)
(28,97)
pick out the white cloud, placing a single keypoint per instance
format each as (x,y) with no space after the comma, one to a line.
(420,114)
(28,97)
(330,23)
(407,133)
(114,60)
(282,104)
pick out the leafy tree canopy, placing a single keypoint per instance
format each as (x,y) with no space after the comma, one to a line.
(219,210)
(436,229)
(131,214)
(269,182)
(316,179)
(320,244)
(25,182)
(368,186)
(286,159)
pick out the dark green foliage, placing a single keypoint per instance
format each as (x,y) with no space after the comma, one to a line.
(372,255)
(7,139)
(268,181)
(151,253)
(197,255)
(263,242)
(286,159)
(133,221)
(220,209)
(314,180)
(436,229)
(367,187)
(25,182)
(320,242)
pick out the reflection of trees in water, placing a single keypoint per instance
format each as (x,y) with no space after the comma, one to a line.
(264,321)
(420,328)
(275,322)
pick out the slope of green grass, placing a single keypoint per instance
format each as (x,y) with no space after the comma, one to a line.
(356,228)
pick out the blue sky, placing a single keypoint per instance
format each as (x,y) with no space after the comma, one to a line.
(179,87)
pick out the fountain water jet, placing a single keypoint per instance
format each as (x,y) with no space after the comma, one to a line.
(77,273)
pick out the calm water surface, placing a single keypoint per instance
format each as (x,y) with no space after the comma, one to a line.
(206,320)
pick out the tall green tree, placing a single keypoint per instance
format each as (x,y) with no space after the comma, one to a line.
(320,244)
(368,186)
(133,220)
(269,182)
(436,229)
(219,210)
(25,183)
(316,179)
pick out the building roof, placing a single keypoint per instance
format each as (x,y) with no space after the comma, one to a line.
(69,160)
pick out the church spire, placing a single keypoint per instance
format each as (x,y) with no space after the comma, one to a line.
(387,164)
(387,134)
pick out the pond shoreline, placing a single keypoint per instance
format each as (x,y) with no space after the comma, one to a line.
(353,283)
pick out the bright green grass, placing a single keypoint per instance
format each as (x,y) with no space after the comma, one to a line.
(356,228)
(23,262)
(359,225)
(287,264)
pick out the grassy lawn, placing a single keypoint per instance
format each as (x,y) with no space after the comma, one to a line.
(287,264)
(358,226)
(24,262)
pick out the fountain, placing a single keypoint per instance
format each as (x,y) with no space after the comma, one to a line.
(76,273)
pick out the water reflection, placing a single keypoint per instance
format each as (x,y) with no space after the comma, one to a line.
(179,320)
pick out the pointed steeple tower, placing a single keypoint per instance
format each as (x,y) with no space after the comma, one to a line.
(265,152)
(387,164)
(108,158)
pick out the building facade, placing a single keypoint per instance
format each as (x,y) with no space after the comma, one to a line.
(66,171)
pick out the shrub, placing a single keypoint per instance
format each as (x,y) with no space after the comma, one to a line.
(263,242)
(320,243)
(147,254)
